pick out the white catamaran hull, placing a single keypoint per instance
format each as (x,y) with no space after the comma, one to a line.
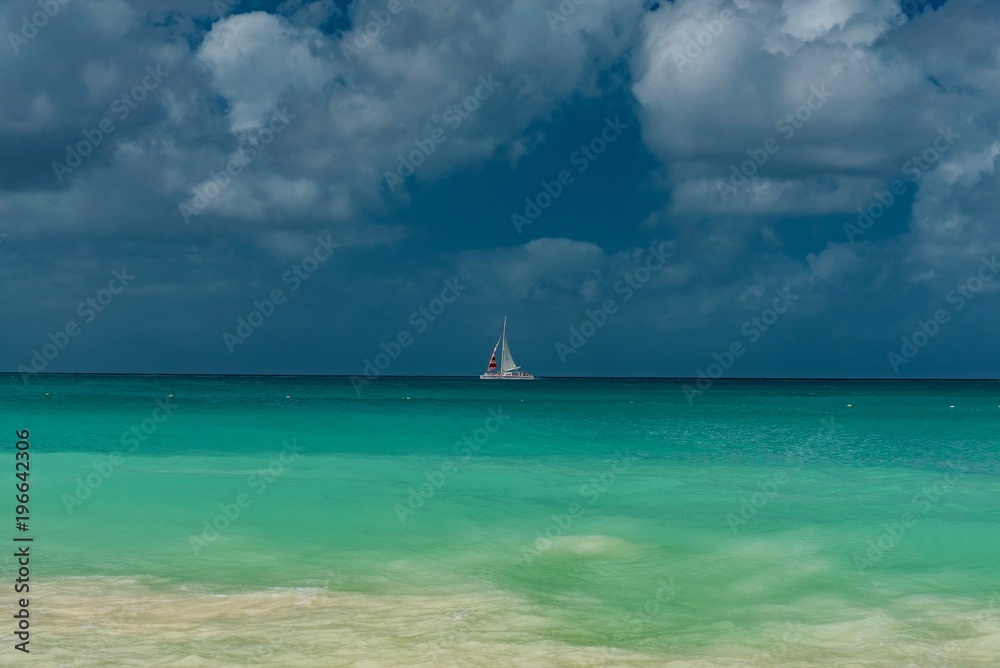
(496,376)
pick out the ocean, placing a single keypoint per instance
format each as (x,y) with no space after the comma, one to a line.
(301,521)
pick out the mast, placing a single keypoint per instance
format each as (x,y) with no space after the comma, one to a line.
(507,363)
(503,338)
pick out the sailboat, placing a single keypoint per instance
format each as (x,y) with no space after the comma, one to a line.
(507,370)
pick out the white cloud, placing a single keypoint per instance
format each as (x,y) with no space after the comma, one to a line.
(256,57)
(704,107)
(806,20)
(399,86)
(895,82)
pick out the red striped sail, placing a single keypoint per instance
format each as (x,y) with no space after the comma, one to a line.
(493,358)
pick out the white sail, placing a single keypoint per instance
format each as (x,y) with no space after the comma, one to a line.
(506,361)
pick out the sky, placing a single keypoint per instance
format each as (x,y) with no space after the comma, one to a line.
(745,188)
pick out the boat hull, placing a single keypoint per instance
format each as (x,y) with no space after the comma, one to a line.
(497,376)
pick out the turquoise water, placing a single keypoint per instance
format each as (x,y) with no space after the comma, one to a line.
(294,521)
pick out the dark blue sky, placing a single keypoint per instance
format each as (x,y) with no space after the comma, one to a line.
(739,142)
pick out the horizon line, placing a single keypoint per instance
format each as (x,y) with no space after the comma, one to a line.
(476,377)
